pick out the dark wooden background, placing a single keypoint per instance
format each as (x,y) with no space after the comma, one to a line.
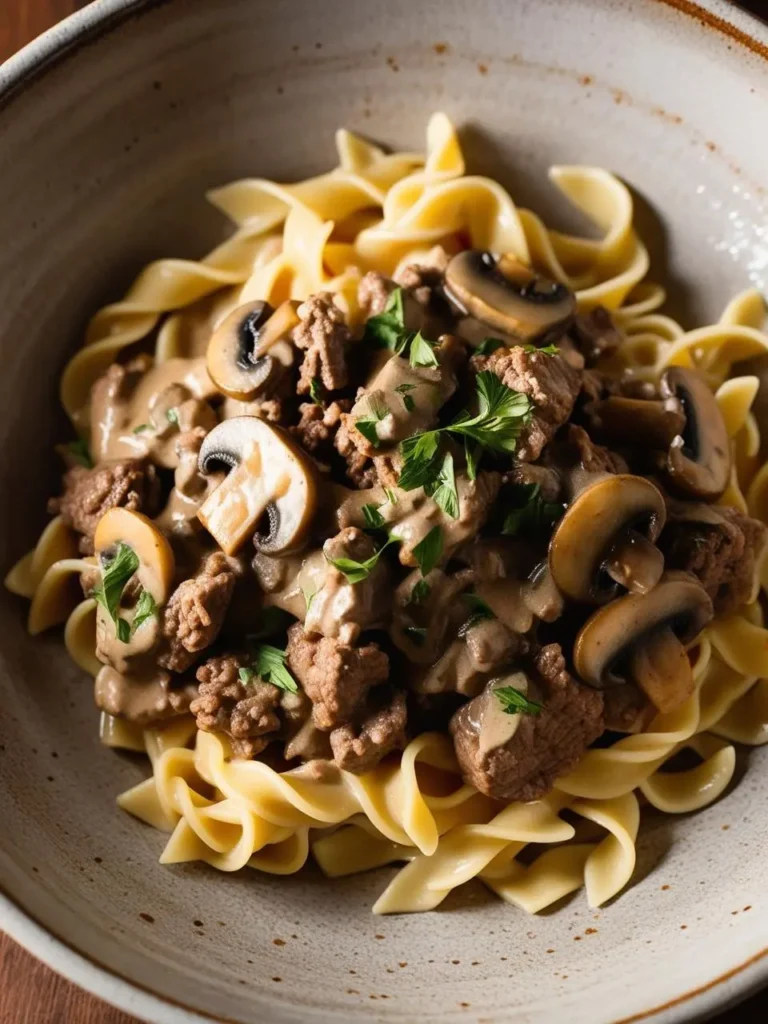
(29,992)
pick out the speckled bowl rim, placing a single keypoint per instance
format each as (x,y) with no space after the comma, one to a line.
(82,29)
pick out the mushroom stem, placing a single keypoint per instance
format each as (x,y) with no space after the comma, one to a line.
(629,420)
(635,562)
(659,665)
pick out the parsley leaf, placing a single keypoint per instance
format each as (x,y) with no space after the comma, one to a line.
(429,551)
(269,663)
(374,520)
(386,329)
(420,462)
(79,451)
(488,345)
(145,609)
(503,413)
(514,702)
(408,402)
(142,427)
(422,352)
(391,496)
(420,593)
(530,514)
(356,572)
(417,634)
(546,350)
(367,424)
(115,573)
(246,675)
(443,490)
(472,455)
(309,597)
(172,415)
(317,391)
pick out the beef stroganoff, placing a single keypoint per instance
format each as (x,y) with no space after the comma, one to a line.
(411,531)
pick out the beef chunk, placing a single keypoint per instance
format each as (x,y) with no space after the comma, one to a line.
(335,677)
(324,335)
(373,292)
(342,609)
(543,747)
(544,477)
(360,469)
(720,552)
(318,426)
(195,614)
(550,382)
(595,334)
(574,449)
(89,493)
(244,711)
(358,749)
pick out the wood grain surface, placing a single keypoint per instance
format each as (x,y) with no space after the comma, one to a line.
(31,993)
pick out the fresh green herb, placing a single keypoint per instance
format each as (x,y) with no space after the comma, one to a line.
(422,352)
(546,350)
(317,391)
(272,620)
(391,496)
(367,425)
(488,345)
(80,453)
(309,596)
(472,454)
(145,609)
(443,490)
(529,514)
(115,573)
(417,634)
(374,520)
(142,427)
(420,462)
(514,702)
(246,675)
(420,593)
(386,329)
(480,612)
(408,402)
(429,551)
(172,415)
(269,663)
(356,572)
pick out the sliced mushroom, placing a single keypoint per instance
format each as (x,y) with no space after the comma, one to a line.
(699,459)
(508,296)
(641,638)
(606,539)
(270,476)
(251,350)
(619,420)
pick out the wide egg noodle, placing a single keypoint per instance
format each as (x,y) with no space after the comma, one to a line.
(381,211)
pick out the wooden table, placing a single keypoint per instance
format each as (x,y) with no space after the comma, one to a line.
(30,993)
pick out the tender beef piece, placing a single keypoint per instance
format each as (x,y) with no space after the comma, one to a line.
(316,430)
(195,614)
(335,677)
(324,335)
(544,477)
(595,334)
(360,469)
(491,646)
(342,609)
(373,292)
(550,382)
(722,555)
(359,748)
(244,711)
(574,451)
(89,493)
(544,746)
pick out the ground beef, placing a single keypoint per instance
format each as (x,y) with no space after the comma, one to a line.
(244,711)
(359,748)
(421,281)
(195,614)
(373,292)
(544,746)
(595,334)
(360,469)
(722,555)
(316,430)
(335,677)
(324,335)
(89,493)
(550,382)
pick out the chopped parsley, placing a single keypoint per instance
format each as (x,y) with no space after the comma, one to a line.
(80,452)
(443,490)
(367,424)
(480,612)
(429,551)
(385,330)
(488,345)
(172,415)
(115,574)
(374,520)
(546,350)
(529,514)
(403,390)
(145,609)
(422,352)
(420,593)
(142,427)
(269,664)
(354,571)
(317,391)
(514,702)
(391,496)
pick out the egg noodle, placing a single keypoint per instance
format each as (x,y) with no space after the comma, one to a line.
(383,211)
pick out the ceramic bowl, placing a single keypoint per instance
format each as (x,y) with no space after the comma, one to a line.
(113,125)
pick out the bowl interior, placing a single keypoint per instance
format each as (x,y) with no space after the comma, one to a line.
(105,160)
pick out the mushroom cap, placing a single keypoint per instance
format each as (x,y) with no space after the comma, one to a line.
(157,565)
(508,296)
(593,522)
(699,459)
(270,476)
(601,653)
(249,350)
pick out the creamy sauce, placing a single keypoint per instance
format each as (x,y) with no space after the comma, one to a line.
(506,599)
(113,651)
(486,716)
(137,697)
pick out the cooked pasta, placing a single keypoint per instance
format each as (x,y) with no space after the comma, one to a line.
(386,213)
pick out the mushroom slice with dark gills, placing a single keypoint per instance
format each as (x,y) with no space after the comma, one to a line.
(508,296)
(251,350)
(270,477)
(698,463)
(606,540)
(137,570)
(641,639)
